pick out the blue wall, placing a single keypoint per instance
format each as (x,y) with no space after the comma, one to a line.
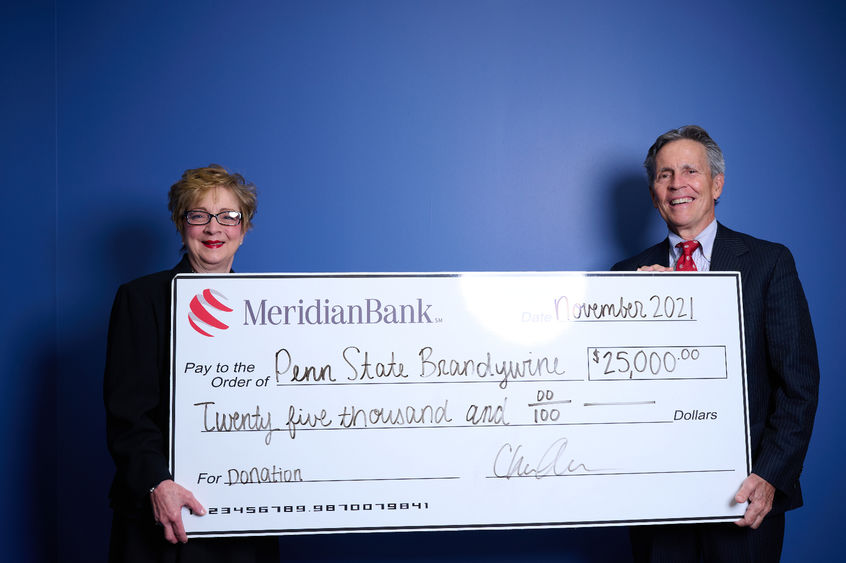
(28,338)
(389,136)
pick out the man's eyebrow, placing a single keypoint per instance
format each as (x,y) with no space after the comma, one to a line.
(683,167)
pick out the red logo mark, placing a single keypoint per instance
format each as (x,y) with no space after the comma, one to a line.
(199,316)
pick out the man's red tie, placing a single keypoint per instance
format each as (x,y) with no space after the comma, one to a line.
(686,263)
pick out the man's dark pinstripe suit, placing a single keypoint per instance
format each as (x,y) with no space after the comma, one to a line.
(781,356)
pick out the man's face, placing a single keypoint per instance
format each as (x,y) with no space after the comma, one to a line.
(684,190)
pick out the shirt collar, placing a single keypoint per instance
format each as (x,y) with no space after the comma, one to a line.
(705,239)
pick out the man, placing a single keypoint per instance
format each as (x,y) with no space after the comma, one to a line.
(686,173)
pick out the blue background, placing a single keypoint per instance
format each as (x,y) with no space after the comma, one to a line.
(387,136)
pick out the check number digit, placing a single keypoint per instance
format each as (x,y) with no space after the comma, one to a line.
(301,508)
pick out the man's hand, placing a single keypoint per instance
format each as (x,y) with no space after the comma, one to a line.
(759,493)
(168,498)
(654,268)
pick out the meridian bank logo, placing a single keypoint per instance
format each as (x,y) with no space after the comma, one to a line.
(200,318)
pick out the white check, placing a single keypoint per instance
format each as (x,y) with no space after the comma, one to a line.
(379,402)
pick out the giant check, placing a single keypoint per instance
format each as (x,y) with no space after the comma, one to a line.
(374,402)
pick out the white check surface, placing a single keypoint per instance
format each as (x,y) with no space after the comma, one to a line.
(376,402)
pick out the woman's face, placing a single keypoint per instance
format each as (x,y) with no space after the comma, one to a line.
(211,247)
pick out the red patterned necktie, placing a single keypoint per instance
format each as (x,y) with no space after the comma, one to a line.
(686,263)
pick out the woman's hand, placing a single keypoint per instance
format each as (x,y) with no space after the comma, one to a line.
(168,498)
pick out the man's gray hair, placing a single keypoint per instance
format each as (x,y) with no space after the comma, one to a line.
(716,161)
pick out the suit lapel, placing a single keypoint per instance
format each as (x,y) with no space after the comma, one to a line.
(658,254)
(728,251)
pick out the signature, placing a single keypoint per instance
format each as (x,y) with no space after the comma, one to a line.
(510,461)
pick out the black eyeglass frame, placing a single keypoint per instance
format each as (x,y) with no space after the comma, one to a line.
(210,215)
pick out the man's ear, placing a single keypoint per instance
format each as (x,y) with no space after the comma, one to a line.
(717,189)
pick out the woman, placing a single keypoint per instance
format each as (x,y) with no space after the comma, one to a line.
(212,210)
